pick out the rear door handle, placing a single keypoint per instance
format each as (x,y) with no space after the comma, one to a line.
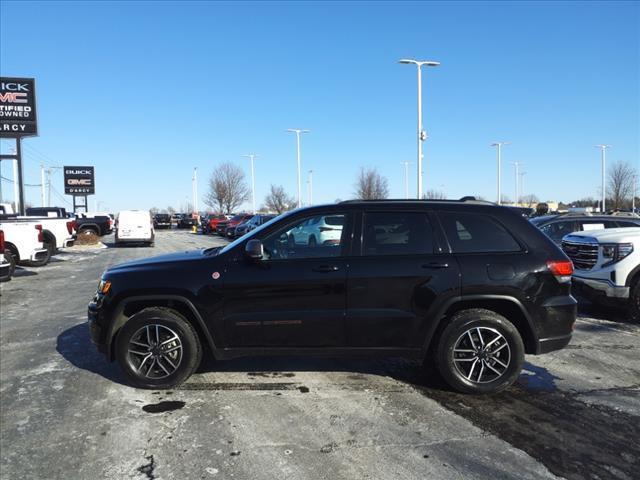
(435,265)
(326,268)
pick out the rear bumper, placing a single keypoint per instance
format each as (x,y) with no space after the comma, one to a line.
(556,323)
(133,239)
(594,288)
(69,242)
(38,254)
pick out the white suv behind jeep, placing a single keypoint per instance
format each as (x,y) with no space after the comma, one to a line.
(607,266)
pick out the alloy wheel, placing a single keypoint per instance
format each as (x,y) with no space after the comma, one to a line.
(481,355)
(155,351)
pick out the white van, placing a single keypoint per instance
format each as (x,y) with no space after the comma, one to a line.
(134,226)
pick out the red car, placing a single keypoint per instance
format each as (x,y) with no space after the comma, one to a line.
(212,222)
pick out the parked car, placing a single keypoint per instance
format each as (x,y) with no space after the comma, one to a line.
(210,223)
(7,262)
(223,226)
(135,226)
(57,229)
(557,226)
(466,286)
(187,221)
(607,266)
(231,229)
(24,241)
(162,220)
(251,224)
(98,225)
(321,231)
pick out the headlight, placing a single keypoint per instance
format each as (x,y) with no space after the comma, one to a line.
(615,252)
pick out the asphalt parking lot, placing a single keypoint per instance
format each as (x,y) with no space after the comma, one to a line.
(67,413)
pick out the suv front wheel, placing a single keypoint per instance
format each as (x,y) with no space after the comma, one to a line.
(158,348)
(479,351)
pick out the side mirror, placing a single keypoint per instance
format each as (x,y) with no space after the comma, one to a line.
(254,250)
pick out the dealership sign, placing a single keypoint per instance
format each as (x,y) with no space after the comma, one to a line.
(17,107)
(79,181)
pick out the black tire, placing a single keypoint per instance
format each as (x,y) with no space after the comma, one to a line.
(312,241)
(634,301)
(169,321)
(12,266)
(89,230)
(460,332)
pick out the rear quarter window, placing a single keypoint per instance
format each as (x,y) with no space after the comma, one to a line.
(472,233)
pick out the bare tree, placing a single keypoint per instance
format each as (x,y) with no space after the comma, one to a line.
(620,184)
(227,188)
(170,210)
(433,194)
(278,200)
(154,210)
(529,200)
(371,185)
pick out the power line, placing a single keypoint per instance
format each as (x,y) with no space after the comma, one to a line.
(26,184)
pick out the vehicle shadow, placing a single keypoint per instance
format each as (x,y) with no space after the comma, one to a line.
(22,272)
(75,345)
(601,312)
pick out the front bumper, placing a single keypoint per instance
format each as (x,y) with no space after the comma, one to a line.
(594,288)
(96,326)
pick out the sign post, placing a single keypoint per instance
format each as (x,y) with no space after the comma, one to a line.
(79,182)
(18,119)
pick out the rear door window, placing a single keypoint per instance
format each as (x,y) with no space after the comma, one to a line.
(397,233)
(471,233)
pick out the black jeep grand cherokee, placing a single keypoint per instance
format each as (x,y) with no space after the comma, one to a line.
(465,284)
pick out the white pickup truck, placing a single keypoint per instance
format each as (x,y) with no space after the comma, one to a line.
(607,266)
(24,242)
(57,231)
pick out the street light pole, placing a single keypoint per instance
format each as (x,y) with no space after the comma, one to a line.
(42,185)
(422,135)
(603,157)
(298,131)
(522,174)
(251,157)
(499,145)
(517,199)
(194,187)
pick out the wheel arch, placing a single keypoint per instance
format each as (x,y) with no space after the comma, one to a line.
(633,277)
(509,307)
(13,249)
(129,306)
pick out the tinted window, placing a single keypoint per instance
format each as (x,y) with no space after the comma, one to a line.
(556,230)
(627,224)
(397,234)
(306,238)
(469,233)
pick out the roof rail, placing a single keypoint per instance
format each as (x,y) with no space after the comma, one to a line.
(467,199)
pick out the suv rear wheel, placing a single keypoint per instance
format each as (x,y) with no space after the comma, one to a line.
(158,348)
(479,351)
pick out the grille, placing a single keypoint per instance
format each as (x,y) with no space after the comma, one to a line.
(583,255)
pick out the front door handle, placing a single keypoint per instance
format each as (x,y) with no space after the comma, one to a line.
(435,265)
(326,268)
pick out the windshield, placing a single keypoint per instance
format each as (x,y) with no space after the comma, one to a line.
(254,232)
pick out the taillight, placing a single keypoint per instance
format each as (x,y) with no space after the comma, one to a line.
(40,235)
(561,269)
(109,223)
(1,241)
(70,228)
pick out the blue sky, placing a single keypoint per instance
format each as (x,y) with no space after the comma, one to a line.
(146,91)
